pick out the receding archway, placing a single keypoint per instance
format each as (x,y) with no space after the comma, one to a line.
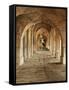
(30,36)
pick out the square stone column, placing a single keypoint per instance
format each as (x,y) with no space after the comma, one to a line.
(29,43)
(25,45)
(32,42)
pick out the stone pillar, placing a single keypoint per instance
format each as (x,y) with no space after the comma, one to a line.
(51,42)
(23,48)
(58,48)
(21,51)
(54,44)
(29,43)
(59,51)
(32,42)
(64,56)
(25,45)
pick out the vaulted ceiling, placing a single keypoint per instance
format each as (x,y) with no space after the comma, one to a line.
(56,16)
(46,16)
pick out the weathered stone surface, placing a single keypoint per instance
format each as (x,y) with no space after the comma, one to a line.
(40,66)
(41,73)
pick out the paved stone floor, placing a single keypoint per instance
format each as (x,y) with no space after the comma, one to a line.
(40,73)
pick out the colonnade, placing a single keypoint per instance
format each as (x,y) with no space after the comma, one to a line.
(26,49)
(56,44)
(27,45)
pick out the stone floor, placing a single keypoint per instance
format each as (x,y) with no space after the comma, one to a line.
(41,73)
(42,67)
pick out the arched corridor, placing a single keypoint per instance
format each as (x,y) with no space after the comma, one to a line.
(40,40)
(40,45)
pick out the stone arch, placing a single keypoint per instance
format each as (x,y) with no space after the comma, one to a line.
(33,26)
(21,42)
